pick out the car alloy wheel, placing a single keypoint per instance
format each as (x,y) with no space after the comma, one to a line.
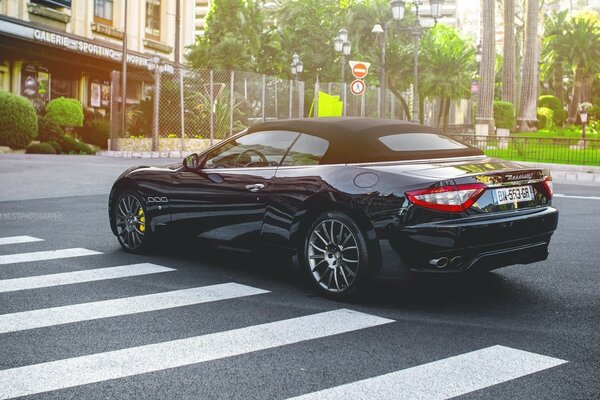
(130,220)
(334,256)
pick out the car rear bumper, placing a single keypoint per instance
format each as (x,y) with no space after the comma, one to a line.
(467,244)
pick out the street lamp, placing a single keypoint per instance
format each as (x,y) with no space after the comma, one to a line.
(155,65)
(383,32)
(297,67)
(342,45)
(398,11)
(478,56)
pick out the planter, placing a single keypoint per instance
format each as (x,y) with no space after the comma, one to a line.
(502,134)
(164,144)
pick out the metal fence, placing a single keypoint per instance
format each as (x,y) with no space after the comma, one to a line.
(193,108)
(535,149)
(369,105)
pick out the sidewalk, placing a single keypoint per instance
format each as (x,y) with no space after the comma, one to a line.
(564,173)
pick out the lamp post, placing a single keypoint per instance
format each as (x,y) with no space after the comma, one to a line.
(398,12)
(155,65)
(383,32)
(297,67)
(342,45)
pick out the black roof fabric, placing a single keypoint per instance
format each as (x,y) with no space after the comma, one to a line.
(354,139)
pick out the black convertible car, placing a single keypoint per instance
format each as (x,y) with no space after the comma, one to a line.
(345,199)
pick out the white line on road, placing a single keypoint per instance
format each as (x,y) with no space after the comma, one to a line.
(100,367)
(19,239)
(129,305)
(91,275)
(568,196)
(444,379)
(45,255)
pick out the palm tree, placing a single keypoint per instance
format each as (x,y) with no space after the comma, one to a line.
(581,45)
(509,63)
(527,116)
(444,50)
(553,49)
(485,107)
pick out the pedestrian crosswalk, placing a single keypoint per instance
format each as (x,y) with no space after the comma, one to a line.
(442,379)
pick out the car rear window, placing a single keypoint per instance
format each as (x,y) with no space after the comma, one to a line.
(420,142)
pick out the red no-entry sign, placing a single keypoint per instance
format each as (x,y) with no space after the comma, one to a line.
(359,69)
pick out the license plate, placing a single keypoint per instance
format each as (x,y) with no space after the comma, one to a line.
(513,194)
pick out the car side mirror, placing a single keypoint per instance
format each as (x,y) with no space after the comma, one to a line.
(192,161)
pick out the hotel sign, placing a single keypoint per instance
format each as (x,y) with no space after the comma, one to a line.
(71,43)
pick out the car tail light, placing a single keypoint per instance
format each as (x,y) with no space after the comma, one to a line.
(451,198)
(548,186)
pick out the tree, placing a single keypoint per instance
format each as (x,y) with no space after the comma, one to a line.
(509,64)
(554,50)
(582,48)
(237,38)
(529,83)
(444,50)
(488,61)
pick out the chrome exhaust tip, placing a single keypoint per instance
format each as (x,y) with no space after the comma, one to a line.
(439,262)
(456,262)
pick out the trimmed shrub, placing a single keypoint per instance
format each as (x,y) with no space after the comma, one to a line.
(96,131)
(65,112)
(71,145)
(18,121)
(545,117)
(56,146)
(504,114)
(49,130)
(40,148)
(551,102)
(560,117)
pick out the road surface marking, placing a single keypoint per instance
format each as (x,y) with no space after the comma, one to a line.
(90,275)
(45,255)
(444,379)
(19,239)
(125,306)
(568,196)
(54,375)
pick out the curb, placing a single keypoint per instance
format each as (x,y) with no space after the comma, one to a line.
(143,154)
(581,174)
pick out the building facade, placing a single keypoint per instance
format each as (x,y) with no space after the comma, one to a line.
(54,48)
(200,12)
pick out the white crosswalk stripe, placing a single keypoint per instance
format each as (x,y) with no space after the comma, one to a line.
(91,275)
(443,379)
(19,239)
(45,255)
(129,305)
(100,367)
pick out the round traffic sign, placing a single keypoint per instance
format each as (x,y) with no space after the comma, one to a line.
(360,70)
(357,87)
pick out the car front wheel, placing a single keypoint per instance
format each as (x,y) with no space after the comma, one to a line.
(335,255)
(131,222)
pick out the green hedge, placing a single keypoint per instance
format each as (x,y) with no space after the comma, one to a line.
(65,112)
(504,114)
(40,148)
(545,117)
(18,121)
(71,145)
(560,117)
(95,131)
(56,146)
(551,102)
(49,130)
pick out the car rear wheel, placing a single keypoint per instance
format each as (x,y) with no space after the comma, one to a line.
(131,222)
(335,255)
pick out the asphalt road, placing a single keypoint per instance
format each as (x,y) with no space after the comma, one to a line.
(200,323)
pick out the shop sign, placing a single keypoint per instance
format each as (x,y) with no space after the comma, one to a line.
(76,45)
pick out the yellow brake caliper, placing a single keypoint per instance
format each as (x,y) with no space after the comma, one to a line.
(142,219)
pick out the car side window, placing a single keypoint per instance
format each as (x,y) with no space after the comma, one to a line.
(256,149)
(308,150)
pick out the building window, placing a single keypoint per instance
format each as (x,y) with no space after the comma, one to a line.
(153,19)
(103,11)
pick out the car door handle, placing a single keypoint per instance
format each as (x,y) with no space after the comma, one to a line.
(256,187)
